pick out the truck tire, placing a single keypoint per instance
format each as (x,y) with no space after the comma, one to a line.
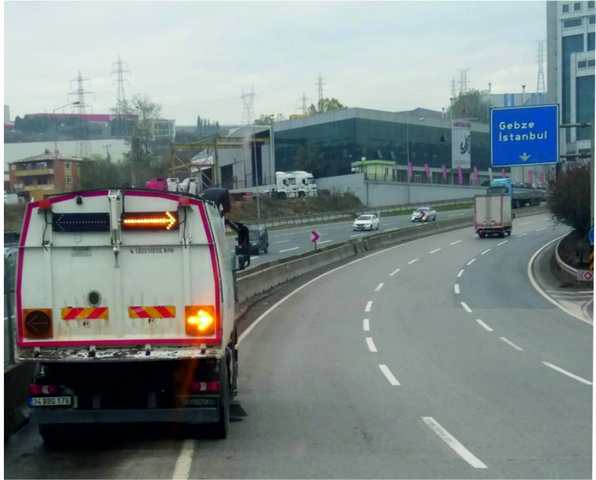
(220,429)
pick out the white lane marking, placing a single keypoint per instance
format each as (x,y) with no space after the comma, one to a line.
(539,289)
(456,242)
(368,306)
(395,272)
(484,325)
(565,372)
(435,251)
(325,241)
(452,442)
(413,261)
(540,229)
(502,243)
(484,252)
(184,460)
(371,345)
(366,324)
(465,307)
(524,223)
(511,344)
(379,286)
(356,235)
(388,375)
(254,257)
(523,234)
(289,249)
(460,273)
(281,241)
(471,262)
(456,288)
(260,318)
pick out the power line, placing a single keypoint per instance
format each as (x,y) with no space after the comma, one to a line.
(320,83)
(303,100)
(248,105)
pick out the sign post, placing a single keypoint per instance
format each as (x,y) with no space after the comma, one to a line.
(521,136)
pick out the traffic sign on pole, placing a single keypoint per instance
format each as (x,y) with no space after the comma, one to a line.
(585,275)
(524,135)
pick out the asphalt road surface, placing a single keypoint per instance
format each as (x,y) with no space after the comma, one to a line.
(288,242)
(432,359)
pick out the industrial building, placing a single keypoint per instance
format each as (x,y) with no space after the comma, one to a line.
(45,174)
(570,68)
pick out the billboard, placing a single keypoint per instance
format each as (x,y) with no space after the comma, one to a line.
(522,136)
(461,144)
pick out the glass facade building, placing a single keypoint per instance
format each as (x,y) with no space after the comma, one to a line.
(328,144)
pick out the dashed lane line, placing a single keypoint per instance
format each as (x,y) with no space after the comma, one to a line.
(460,273)
(379,286)
(484,252)
(368,306)
(465,307)
(471,262)
(569,374)
(456,242)
(395,272)
(434,251)
(511,344)
(371,345)
(289,249)
(388,375)
(456,289)
(366,324)
(484,325)
(414,260)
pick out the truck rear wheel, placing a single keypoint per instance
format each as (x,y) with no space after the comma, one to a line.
(220,429)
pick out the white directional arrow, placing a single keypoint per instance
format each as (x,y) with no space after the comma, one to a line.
(524,157)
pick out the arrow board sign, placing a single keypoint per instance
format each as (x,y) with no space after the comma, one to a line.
(522,136)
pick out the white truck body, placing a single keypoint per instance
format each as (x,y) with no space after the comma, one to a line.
(123,275)
(305,184)
(492,215)
(295,184)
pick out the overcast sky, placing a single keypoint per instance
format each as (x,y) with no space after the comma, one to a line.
(197,57)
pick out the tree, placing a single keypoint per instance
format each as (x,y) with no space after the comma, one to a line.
(100,172)
(265,120)
(326,105)
(141,155)
(470,105)
(569,198)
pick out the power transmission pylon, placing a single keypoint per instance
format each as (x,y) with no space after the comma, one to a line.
(320,83)
(81,107)
(540,86)
(248,105)
(120,70)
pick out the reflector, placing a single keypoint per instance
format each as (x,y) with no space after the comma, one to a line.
(150,221)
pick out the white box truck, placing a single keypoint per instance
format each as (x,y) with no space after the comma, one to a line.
(125,301)
(492,215)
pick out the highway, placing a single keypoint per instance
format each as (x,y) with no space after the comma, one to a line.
(288,242)
(435,358)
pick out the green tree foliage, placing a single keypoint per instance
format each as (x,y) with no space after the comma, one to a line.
(470,105)
(141,157)
(569,198)
(99,172)
(326,105)
(265,120)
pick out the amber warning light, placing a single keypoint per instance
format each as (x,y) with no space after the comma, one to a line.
(150,221)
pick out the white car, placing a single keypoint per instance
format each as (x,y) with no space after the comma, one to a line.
(370,221)
(424,214)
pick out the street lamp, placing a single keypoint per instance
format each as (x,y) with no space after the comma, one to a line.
(56,123)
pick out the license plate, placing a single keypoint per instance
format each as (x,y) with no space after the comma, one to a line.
(50,401)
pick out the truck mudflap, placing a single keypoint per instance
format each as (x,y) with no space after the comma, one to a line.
(189,415)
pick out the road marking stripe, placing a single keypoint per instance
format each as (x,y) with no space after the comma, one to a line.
(484,325)
(388,375)
(502,243)
(485,251)
(539,289)
(413,261)
(524,223)
(511,344)
(460,273)
(368,306)
(523,234)
(435,251)
(394,272)
(254,257)
(289,249)
(471,262)
(456,288)
(366,324)
(456,242)
(379,286)
(465,307)
(452,442)
(281,241)
(371,345)
(325,241)
(569,374)
(356,235)
(184,460)
(540,229)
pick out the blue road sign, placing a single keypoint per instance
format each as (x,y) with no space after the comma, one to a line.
(524,135)
(591,235)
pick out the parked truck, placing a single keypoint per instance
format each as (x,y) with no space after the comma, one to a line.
(492,215)
(297,184)
(125,302)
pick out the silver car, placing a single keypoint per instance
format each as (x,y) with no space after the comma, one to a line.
(424,214)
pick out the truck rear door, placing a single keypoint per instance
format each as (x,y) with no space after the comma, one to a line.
(115,268)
